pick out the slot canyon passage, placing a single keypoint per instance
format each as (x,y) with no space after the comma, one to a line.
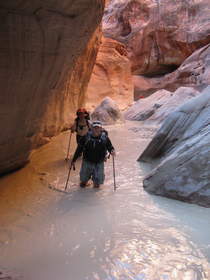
(142,68)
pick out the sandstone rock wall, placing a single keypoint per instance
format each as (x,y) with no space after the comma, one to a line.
(40,43)
(63,105)
(159,35)
(193,72)
(111,76)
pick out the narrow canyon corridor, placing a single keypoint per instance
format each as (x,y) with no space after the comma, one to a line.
(141,70)
(89,234)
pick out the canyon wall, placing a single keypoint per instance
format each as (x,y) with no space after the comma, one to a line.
(111,76)
(193,72)
(41,42)
(63,104)
(159,35)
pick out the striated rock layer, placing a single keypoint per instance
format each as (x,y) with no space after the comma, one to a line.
(41,42)
(159,35)
(193,72)
(182,145)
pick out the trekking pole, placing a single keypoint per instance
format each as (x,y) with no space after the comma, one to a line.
(115,187)
(72,165)
(68,147)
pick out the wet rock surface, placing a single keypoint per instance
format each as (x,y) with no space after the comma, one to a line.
(182,146)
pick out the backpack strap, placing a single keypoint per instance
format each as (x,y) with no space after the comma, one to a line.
(104,136)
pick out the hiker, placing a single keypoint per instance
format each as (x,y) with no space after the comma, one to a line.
(81,124)
(94,147)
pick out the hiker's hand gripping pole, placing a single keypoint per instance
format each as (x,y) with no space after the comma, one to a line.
(71,166)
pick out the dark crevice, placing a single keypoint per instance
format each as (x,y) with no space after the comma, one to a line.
(163,70)
(125,24)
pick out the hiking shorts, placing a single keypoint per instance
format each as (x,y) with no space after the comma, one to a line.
(94,171)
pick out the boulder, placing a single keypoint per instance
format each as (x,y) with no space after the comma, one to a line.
(182,147)
(159,105)
(107,112)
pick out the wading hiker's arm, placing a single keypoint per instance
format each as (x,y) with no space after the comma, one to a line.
(109,146)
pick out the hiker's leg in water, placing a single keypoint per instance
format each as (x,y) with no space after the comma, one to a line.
(98,174)
(85,173)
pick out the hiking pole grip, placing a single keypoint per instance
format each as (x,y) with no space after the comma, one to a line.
(115,187)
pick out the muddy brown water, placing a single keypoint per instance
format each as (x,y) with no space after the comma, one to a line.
(89,234)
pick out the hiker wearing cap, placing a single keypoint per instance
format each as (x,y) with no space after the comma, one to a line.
(94,147)
(81,124)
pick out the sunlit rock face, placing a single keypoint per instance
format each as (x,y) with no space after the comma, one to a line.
(107,112)
(111,76)
(193,72)
(182,145)
(63,105)
(41,42)
(159,35)
(159,105)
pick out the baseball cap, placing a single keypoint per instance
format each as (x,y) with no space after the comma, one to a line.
(96,123)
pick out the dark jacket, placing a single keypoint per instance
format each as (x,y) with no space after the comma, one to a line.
(94,149)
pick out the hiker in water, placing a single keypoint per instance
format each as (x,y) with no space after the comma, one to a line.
(94,147)
(81,124)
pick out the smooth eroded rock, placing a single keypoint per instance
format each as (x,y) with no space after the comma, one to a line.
(182,146)
(41,42)
(159,105)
